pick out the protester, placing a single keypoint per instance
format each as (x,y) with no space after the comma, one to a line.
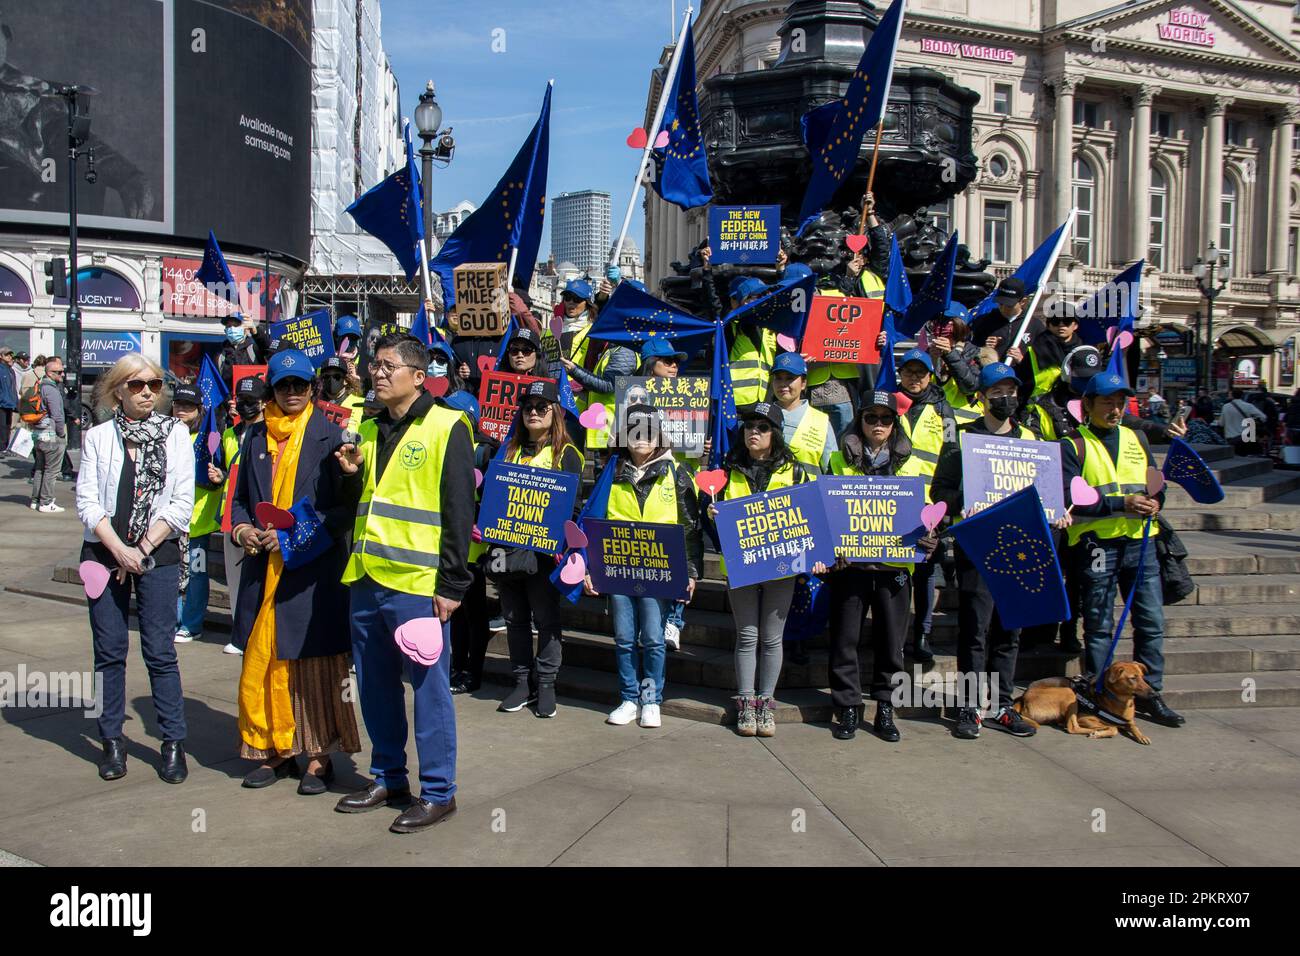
(250,402)
(8,396)
(339,387)
(135,495)
(50,438)
(956,360)
(578,312)
(806,430)
(648,486)
(1110,537)
(192,605)
(597,366)
(760,462)
(524,355)
(983,642)
(751,348)
(347,338)
(997,328)
(245,345)
(413,478)
(834,387)
(1047,351)
(874,445)
(522,577)
(292,689)
(1236,412)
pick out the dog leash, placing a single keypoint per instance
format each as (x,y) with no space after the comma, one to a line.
(1128,604)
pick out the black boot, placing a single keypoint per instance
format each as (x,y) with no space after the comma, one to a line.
(173,769)
(884,725)
(519,698)
(921,651)
(846,724)
(545,700)
(113,766)
(1155,709)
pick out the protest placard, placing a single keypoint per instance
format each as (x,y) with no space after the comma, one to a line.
(310,333)
(996,466)
(482,304)
(526,507)
(773,535)
(744,234)
(843,330)
(339,415)
(636,558)
(683,405)
(874,518)
(498,399)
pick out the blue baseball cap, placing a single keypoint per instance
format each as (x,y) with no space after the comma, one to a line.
(956,310)
(660,348)
(990,375)
(463,401)
(1108,383)
(796,270)
(347,325)
(636,284)
(916,355)
(581,288)
(742,287)
(289,363)
(791,362)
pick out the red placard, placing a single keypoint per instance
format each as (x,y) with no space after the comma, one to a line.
(498,398)
(240,372)
(843,330)
(232,476)
(183,295)
(339,415)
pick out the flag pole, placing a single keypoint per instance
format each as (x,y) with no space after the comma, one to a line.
(424,271)
(1051,264)
(871,177)
(652,133)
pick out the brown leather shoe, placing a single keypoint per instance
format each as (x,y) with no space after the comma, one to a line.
(423,814)
(372,798)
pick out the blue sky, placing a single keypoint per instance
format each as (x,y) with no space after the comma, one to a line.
(600,54)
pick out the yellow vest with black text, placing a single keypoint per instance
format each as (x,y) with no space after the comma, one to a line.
(207,505)
(965,408)
(397,536)
(1044,378)
(927,439)
(660,504)
(1126,476)
(809,438)
(738,487)
(751,366)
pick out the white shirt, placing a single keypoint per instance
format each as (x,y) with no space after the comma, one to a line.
(102,455)
(1234,413)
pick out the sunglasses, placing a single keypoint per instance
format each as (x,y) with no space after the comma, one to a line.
(294,386)
(879,419)
(521,350)
(1060,320)
(669,360)
(136,385)
(570,299)
(761,427)
(536,408)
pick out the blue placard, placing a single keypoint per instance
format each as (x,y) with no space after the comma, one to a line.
(997,466)
(636,558)
(777,534)
(311,333)
(744,234)
(875,518)
(526,507)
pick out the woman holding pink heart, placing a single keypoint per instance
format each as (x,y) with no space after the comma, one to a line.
(135,495)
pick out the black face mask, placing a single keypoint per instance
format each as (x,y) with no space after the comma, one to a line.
(248,411)
(1002,407)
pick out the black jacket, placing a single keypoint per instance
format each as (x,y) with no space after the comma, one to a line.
(252,351)
(688,505)
(946,486)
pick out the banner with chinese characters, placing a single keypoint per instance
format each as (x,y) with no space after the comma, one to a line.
(636,558)
(773,535)
(683,405)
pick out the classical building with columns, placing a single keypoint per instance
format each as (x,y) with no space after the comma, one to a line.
(1168,125)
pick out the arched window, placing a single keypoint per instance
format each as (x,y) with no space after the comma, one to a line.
(1084,198)
(1159,211)
(1228,223)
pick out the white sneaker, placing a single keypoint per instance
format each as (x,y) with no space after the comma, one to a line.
(497,625)
(231,649)
(623,714)
(183,636)
(672,636)
(33,505)
(650,716)
(49,509)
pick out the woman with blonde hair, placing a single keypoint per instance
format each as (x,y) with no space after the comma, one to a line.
(135,491)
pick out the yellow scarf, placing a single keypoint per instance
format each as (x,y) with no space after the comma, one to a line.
(265,706)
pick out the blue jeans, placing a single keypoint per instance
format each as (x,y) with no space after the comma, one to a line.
(676,614)
(639,647)
(377,613)
(1118,562)
(841,417)
(155,594)
(193,604)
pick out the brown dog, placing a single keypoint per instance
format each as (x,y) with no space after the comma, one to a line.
(1052,701)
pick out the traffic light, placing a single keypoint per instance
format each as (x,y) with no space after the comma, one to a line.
(57,283)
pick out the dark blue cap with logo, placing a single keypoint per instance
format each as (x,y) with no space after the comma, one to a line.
(996,372)
(791,362)
(917,355)
(289,363)
(1108,383)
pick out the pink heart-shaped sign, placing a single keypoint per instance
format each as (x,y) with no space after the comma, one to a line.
(662,139)
(594,418)
(931,515)
(557,326)
(478,478)
(420,639)
(94,576)
(475,534)
(637,138)
(437,387)
(787,343)
(574,570)
(1075,408)
(486,363)
(1124,339)
(711,482)
(269,516)
(574,536)
(904,403)
(214,442)
(1082,493)
(855,242)
(1155,481)
(1110,334)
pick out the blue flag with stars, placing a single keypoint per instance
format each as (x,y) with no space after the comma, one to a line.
(898,289)
(391,212)
(428,334)
(215,394)
(631,315)
(887,372)
(1113,305)
(307,540)
(783,307)
(1011,546)
(683,164)
(1186,468)
(834,131)
(810,608)
(935,294)
(510,218)
(215,274)
(723,396)
(1032,271)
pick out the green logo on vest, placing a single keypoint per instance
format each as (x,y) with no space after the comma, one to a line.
(412,454)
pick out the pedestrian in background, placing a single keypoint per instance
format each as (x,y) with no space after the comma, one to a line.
(50,435)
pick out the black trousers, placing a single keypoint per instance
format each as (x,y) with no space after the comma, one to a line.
(888,595)
(983,644)
(6,424)
(525,601)
(1045,634)
(469,629)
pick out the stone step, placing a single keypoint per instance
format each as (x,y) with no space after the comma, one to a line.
(1200,691)
(1212,655)
(1209,453)
(1246,493)
(1233,589)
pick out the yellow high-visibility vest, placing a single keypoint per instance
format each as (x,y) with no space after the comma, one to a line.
(751,366)
(207,506)
(927,439)
(809,438)
(1127,476)
(1044,378)
(660,505)
(965,408)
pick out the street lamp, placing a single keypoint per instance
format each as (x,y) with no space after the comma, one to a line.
(1204,270)
(428,119)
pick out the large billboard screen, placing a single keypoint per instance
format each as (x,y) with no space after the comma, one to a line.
(200,117)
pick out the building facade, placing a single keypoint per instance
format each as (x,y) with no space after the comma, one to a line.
(1169,124)
(580,228)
